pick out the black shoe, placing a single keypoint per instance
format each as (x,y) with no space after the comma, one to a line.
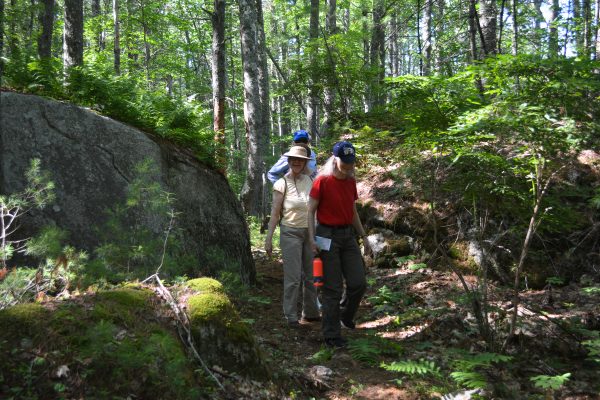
(347,324)
(293,324)
(336,343)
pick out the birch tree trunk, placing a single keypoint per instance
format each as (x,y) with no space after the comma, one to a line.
(256,104)
(47,23)
(117,41)
(73,34)
(487,21)
(312,111)
(218,82)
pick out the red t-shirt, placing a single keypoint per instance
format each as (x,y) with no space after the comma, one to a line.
(336,199)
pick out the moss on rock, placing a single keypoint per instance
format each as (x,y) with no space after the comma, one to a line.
(205,285)
(222,337)
(108,345)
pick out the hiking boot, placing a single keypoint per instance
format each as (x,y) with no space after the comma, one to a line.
(347,324)
(336,343)
(293,324)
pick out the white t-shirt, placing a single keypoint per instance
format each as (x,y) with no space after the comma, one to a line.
(295,203)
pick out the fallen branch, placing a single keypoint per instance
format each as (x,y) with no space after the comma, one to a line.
(183,324)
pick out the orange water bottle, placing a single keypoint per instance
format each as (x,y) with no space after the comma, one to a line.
(317,272)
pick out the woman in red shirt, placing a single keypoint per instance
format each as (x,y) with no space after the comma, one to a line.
(332,199)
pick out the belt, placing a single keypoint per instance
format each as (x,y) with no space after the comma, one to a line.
(336,227)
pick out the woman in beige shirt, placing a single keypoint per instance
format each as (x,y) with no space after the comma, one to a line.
(290,209)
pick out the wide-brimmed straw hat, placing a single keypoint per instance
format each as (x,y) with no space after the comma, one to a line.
(298,152)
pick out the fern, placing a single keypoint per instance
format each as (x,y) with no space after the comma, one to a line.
(364,350)
(368,350)
(421,367)
(470,362)
(550,382)
(471,380)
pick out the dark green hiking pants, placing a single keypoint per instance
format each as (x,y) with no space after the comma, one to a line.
(343,262)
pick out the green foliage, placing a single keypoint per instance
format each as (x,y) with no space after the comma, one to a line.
(38,193)
(369,349)
(469,368)
(409,367)
(550,382)
(323,355)
(385,295)
(593,348)
(133,237)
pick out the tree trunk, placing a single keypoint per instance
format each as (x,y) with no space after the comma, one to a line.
(73,34)
(146,32)
(117,44)
(575,28)
(553,34)
(539,18)
(47,23)
(473,30)
(587,28)
(312,112)
(256,104)
(218,82)
(100,34)
(394,51)
(488,19)
(419,42)
(377,53)
(515,42)
(331,29)
(597,41)
(1,40)
(427,45)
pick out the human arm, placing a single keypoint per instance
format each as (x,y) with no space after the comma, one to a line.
(274,220)
(360,230)
(313,204)
(278,170)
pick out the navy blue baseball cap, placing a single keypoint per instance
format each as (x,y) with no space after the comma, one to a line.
(301,136)
(345,151)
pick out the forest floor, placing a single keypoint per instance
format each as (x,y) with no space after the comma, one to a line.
(422,316)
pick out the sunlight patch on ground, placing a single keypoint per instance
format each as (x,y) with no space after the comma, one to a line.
(378,323)
(406,333)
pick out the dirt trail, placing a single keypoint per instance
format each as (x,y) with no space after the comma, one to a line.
(291,349)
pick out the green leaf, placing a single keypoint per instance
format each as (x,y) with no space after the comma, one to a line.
(550,382)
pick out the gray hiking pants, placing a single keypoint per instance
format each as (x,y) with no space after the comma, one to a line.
(342,262)
(297,273)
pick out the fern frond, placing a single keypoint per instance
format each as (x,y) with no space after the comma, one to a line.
(364,350)
(421,367)
(471,361)
(471,380)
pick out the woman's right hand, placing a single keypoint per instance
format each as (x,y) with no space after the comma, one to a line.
(314,247)
(269,246)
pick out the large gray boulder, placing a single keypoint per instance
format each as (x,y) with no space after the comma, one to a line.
(92,160)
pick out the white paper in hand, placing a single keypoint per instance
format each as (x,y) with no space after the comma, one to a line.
(323,243)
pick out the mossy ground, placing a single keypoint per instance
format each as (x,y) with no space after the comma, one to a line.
(107,345)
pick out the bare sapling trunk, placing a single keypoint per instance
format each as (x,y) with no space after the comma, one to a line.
(533,224)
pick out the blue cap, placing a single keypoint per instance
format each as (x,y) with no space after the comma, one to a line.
(301,136)
(345,151)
